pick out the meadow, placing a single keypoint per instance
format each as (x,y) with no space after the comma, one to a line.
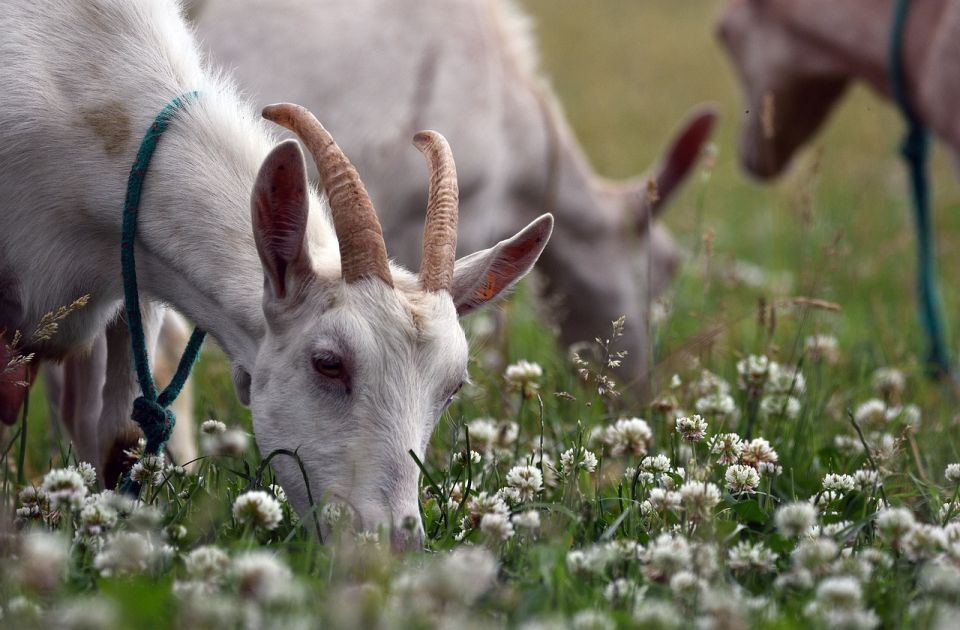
(791,465)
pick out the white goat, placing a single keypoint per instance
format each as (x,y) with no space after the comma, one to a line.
(381,69)
(342,356)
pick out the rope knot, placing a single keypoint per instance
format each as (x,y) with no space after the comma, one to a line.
(156,422)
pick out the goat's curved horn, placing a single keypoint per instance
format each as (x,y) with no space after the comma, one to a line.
(363,253)
(440,228)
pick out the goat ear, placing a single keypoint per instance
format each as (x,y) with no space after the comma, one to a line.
(279,206)
(485,276)
(677,163)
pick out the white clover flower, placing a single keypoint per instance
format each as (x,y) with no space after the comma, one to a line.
(529,520)
(883,446)
(924,541)
(261,576)
(621,592)
(847,444)
(844,593)
(88,472)
(523,376)
(591,620)
(459,457)
(785,380)
(871,414)
(42,561)
(691,428)
(839,483)
(510,496)
(758,451)
(656,464)
(657,613)
(661,501)
(727,447)
(259,509)
(592,560)
(952,473)
(866,479)
(832,530)
(889,383)
(717,405)
(893,524)
(230,443)
(97,518)
(941,580)
(528,480)
(822,348)
(126,552)
(496,527)
(587,460)
(746,556)
(334,513)
(740,478)
(207,563)
(699,499)
(710,383)
(484,503)
(780,405)
(623,551)
(687,585)
(753,371)
(149,470)
(665,556)
(483,433)
(628,436)
(212,427)
(83,614)
(64,489)
(815,555)
(795,519)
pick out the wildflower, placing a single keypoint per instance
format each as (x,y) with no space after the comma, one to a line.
(871,414)
(687,586)
(64,488)
(815,555)
(126,552)
(497,527)
(740,478)
(149,470)
(665,556)
(97,518)
(510,496)
(657,613)
(43,559)
(460,456)
(522,376)
(529,520)
(621,592)
(257,508)
(941,581)
(839,483)
(795,519)
(889,383)
(780,405)
(924,541)
(727,447)
(883,446)
(699,498)
(482,504)
(85,613)
(710,383)
(758,451)
(628,436)
(261,576)
(866,480)
(212,427)
(623,551)
(822,348)
(33,501)
(746,556)
(952,473)
(692,428)
(207,563)
(753,372)
(717,405)
(661,501)
(843,593)
(591,620)
(893,524)
(587,460)
(87,472)
(785,381)
(528,480)
(334,514)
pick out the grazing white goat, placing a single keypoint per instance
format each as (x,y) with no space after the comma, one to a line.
(341,355)
(379,70)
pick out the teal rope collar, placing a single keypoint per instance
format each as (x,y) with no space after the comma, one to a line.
(915,151)
(151,411)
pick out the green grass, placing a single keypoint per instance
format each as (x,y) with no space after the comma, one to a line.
(838,224)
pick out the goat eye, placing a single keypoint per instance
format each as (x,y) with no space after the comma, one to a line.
(329,365)
(454,393)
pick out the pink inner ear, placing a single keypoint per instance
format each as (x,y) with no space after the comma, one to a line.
(280,213)
(683,155)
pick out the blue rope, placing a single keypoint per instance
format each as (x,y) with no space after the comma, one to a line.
(151,411)
(915,151)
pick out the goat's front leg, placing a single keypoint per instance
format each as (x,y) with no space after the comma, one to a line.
(75,389)
(117,433)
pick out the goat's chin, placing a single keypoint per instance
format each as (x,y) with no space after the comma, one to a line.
(762,162)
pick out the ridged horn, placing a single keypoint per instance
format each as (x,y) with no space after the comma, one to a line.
(440,227)
(363,253)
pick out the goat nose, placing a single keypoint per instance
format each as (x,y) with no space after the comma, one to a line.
(407,534)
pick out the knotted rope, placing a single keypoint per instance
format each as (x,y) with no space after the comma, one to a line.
(151,411)
(915,151)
